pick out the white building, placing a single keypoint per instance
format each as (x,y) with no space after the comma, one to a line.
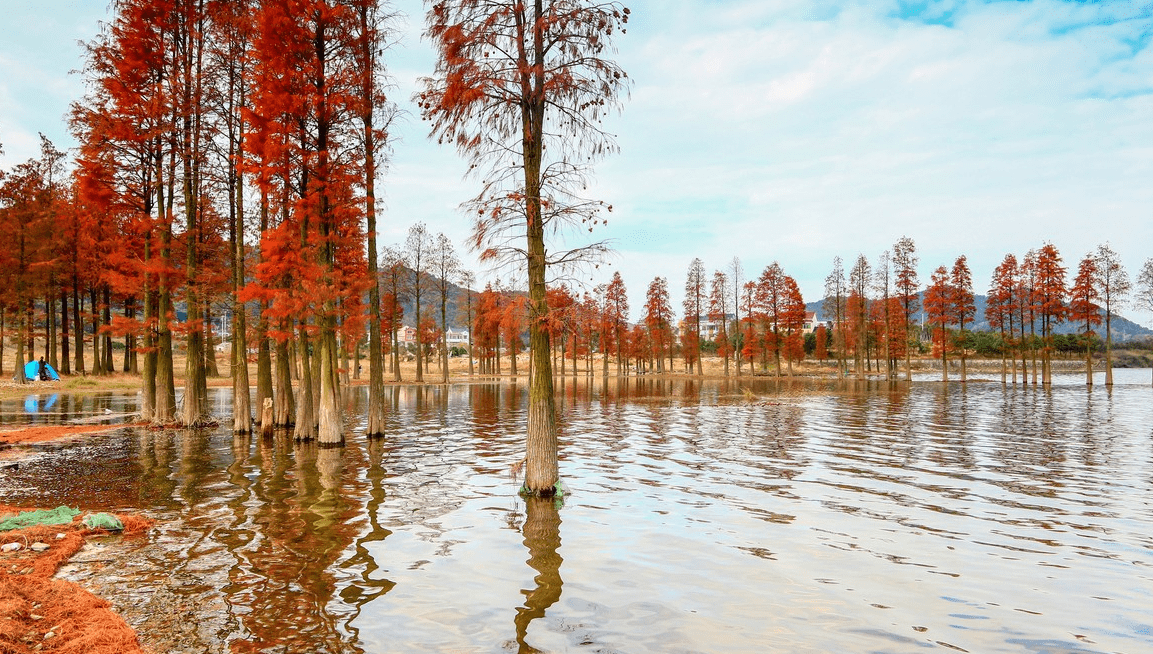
(457,337)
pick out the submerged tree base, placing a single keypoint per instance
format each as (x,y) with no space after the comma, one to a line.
(557,491)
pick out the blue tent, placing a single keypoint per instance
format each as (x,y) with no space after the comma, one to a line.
(32,371)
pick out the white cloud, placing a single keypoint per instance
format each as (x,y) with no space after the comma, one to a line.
(784,137)
(798,131)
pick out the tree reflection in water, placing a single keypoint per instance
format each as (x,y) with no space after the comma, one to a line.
(542,538)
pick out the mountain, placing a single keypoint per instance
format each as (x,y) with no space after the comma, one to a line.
(430,302)
(1123,328)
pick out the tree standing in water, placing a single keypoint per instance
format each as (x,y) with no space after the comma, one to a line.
(1083,309)
(834,307)
(1112,286)
(906,285)
(521,88)
(695,304)
(1144,296)
(938,306)
(961,286)
(1050,293)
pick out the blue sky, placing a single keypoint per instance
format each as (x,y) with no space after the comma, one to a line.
(792,131)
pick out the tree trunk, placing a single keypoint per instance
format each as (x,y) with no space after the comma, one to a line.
(263,360)
(944,356)
(263,347)
(1089,364)
(1004,368)
(444,335)
(165,382)
(20,378)
(106,313)
(284,404)
(961,342)
(330,419)
(211,367)
(238,362)
(1108,347)
(148,376)
(79,325)
(305,413)
(541,470)
(50,343)
(65,363)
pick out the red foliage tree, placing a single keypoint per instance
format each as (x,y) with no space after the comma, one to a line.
(793,322)
(821,343)
(905,287)
(658,318)
(1083,309)
(1049,293)
(961,303)
(770,313)
(1001,310)
(617,311)
(938,305)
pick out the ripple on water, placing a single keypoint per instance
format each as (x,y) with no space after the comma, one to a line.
(795,516)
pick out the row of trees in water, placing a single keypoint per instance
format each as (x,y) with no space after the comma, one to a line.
(876,311)
(1027,298)
(209,121)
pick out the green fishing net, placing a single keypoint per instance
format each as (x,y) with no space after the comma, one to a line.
(61,515)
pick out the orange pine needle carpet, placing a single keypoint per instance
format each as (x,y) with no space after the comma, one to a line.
(50,432)
(42,614)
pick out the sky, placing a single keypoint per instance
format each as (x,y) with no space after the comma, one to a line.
(792,131)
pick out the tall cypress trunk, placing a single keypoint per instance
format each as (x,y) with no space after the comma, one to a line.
(944,355)
(305,412)
(20,378)
(79,363)
(148,378)
(263,347)
(1088,361)
(97,341)
(165,375)
(541,471)
(241,406)
(195,380)
(284,403)
(1108,346)
(50,307)
(329,415)
(106,312)
(211,368)
(65,364)
(961,342)
(129,339)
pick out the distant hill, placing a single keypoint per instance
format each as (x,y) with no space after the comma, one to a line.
(430,302)
(1123,328)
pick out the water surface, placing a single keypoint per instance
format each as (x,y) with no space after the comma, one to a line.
(750,516)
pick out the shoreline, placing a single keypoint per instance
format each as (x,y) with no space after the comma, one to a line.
(129,382)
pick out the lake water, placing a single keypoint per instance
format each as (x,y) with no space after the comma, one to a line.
(748,516)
